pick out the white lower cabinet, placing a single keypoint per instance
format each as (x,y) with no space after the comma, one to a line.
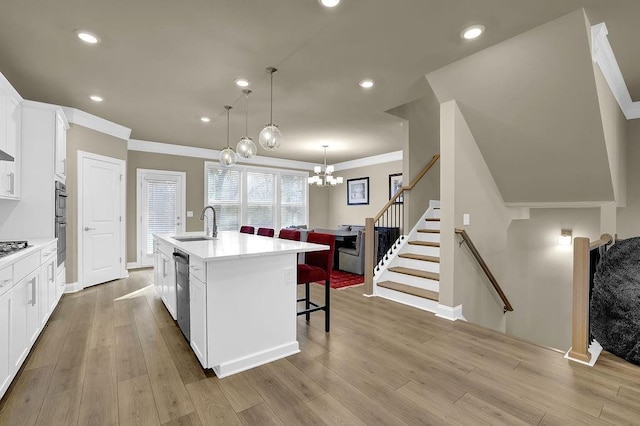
(198,318)
(18,346)
(28,295)
(165,277)
(5,322)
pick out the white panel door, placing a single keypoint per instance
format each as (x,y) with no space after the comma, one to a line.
(101,197)
(161,208)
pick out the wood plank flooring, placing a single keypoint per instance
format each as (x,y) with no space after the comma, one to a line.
(112,355)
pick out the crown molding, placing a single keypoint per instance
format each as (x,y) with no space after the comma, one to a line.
(214,154)
(7,88)
(369,161)
(96,123)
(602,54)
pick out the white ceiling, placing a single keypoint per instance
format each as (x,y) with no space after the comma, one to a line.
(164,63)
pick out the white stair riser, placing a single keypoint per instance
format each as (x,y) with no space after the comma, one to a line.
(423,250)
(418,282)
(427,236)
(420,265)
(407,299)
(436,213)
(431,224)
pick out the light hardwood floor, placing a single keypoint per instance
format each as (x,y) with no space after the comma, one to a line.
(112,355)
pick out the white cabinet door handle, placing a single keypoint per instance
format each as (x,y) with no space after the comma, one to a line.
(86,228)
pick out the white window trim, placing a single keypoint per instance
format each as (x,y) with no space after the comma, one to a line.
(139,207)
(243,192)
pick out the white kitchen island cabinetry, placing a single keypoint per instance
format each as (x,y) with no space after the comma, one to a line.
(243,298)
(25,304)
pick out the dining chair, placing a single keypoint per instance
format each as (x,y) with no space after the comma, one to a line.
(289,234)
(266,232)
(317,267)
(247,229)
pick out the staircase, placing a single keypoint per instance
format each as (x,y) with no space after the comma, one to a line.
(409,274)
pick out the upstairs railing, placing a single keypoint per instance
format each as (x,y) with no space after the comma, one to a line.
(476,254)
(583,250)
(391,220)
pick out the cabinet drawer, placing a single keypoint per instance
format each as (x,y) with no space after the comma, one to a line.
(197,268)
(25,266)
(165,248)
(6,279)
(48,252)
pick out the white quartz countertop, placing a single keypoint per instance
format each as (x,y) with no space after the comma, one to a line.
(34,245)
(230,244)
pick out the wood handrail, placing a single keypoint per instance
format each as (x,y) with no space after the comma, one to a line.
(409,187)
(605,240)
(485,268)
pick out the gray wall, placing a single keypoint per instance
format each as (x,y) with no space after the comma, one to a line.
(539,276)
(629,217)
(422,142)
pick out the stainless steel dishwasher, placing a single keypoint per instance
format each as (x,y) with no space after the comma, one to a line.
(182,291)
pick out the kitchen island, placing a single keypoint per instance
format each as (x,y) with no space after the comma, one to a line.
(242,296)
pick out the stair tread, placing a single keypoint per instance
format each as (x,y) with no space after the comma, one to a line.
(425,243)
(429,231)
(415,272)
(420,257)
(414,291)
(433,219)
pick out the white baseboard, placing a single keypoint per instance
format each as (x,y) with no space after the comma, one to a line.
(133,265)
(72,287)
(254,360)
(449,313)
(594,349)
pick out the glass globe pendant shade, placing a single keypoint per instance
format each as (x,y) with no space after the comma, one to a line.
(228,158)
(270,137)
(246,148)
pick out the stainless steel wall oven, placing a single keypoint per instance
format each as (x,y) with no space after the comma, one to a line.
(61,221)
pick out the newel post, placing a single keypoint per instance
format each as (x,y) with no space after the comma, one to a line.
(369,255)
(580,320)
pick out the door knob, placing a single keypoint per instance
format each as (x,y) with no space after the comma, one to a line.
(86,228)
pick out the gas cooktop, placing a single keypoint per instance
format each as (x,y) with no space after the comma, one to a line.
(9,247)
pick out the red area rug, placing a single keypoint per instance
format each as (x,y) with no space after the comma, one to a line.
(341,279)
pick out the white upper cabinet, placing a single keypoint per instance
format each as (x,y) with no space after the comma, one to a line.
(10,140)
(61,146)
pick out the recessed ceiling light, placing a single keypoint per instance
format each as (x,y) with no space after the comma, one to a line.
(87,37)
(329,3)
(96,98)
(472,32)
(205,119)
(242,82)
(367,83)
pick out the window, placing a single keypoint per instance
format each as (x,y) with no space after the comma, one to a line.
(260,197)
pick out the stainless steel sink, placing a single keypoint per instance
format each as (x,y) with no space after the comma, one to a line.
(193,238)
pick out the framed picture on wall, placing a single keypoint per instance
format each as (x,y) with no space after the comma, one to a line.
(358,191)
(395,183)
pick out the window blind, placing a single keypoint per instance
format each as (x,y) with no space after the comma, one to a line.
(223,193)
(261,199)
(160,209)
(293,198)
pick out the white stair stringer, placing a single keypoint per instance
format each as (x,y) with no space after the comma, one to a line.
(418,258)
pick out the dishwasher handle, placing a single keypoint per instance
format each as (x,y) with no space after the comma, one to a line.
(181,258)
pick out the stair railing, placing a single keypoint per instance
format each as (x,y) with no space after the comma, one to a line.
(476,254)
(391,216)
(583,248)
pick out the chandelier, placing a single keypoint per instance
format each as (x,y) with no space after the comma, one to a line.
(324,176)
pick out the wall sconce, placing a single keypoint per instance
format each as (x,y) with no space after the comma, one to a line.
(565,237)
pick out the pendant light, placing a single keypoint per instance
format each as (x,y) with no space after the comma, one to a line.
(246,148)
(228,156)
(270,137)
